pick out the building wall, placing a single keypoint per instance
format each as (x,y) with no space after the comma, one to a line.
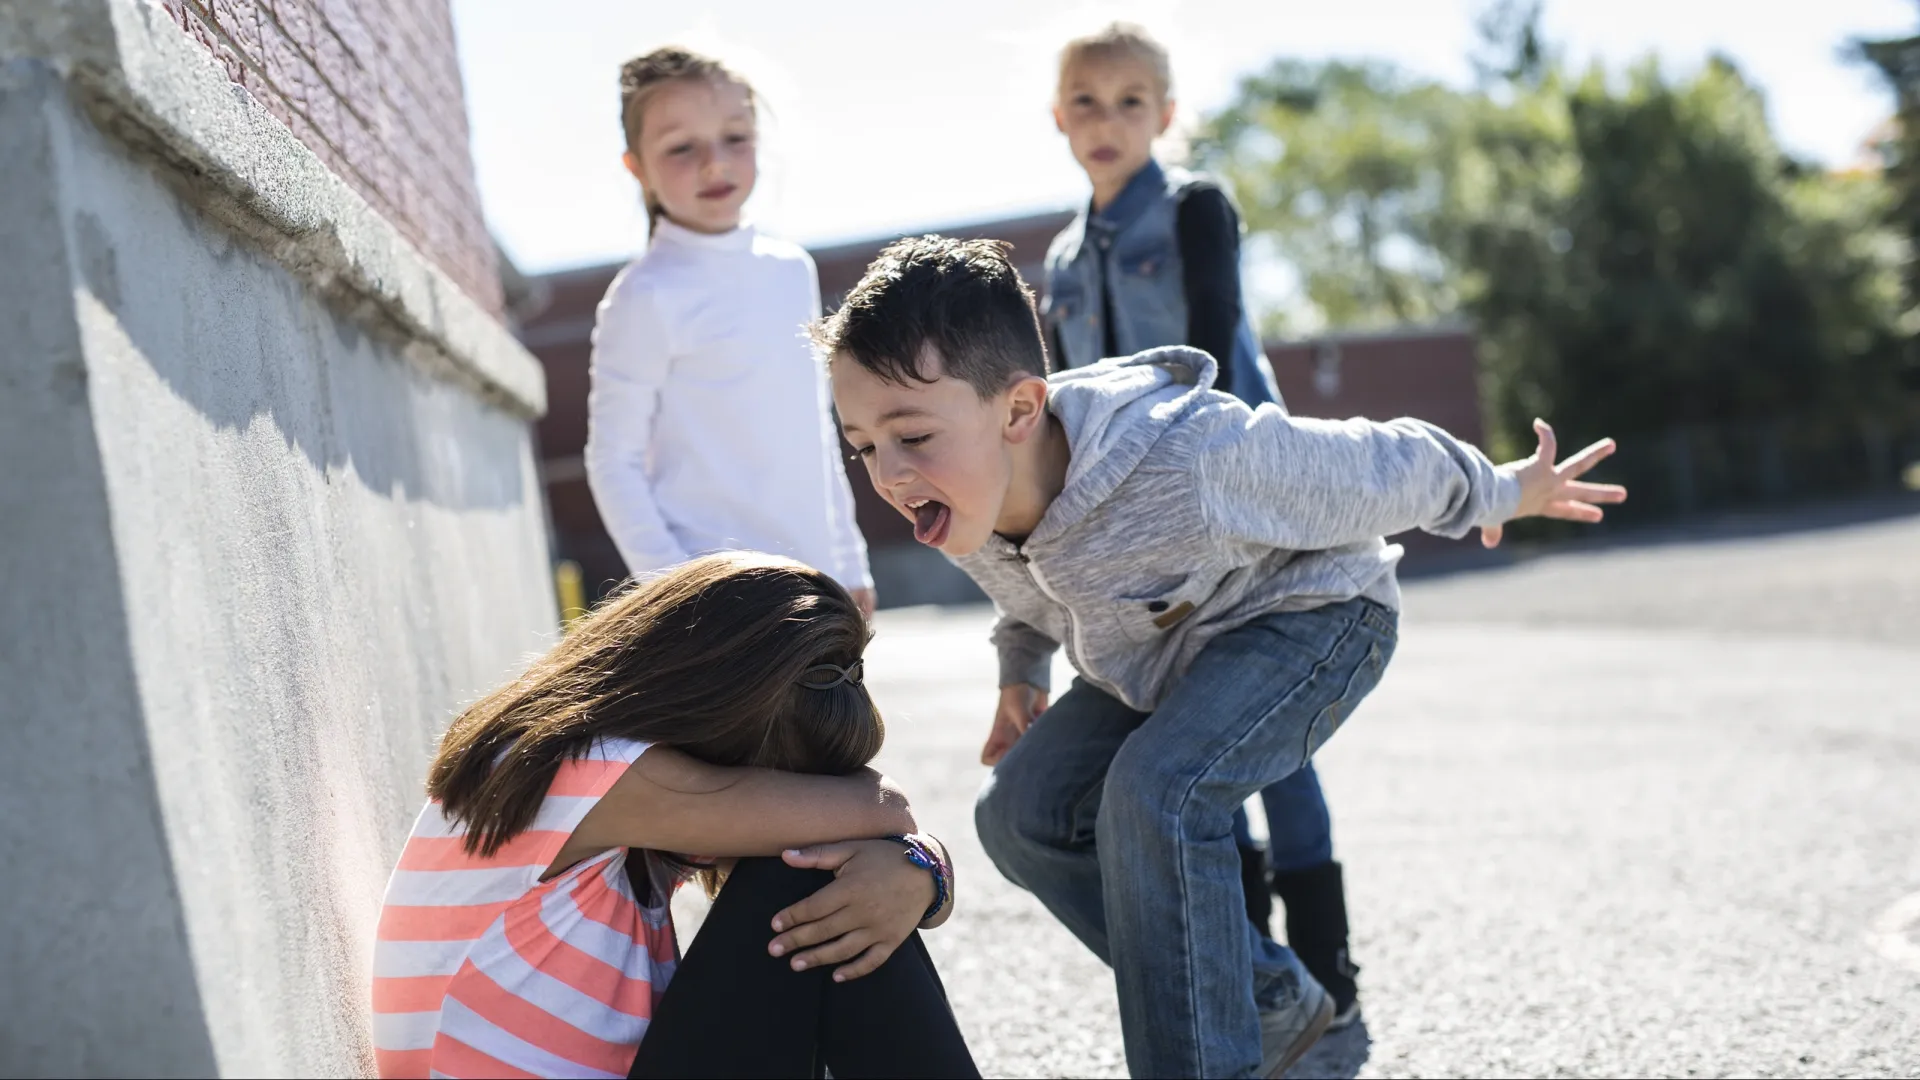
(270,516)
(1431,373)
(373,88)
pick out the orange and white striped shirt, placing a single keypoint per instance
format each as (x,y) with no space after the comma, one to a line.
(482,969)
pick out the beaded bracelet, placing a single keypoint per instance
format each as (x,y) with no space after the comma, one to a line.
(925,854)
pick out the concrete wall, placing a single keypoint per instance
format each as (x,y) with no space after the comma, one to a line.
(268,515)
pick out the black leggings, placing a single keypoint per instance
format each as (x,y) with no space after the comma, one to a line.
(733,1010)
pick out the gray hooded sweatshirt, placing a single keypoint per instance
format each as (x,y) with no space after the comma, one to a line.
(1186,514)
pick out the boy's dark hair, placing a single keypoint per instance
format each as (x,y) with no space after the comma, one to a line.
(963,297)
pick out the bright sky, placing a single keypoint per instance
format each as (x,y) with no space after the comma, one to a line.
(892,116)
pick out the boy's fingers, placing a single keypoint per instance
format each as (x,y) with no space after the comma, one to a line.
(1549,446)
(998,743)
(1490,536)
(1594,493)
(1005,733)
(1579,463)
(1573,511)
(866,964)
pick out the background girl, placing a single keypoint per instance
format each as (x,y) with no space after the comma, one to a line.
(709,425)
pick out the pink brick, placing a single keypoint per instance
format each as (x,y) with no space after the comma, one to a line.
(356,143)
(211,39)
(240,23)
(344,19)
(282,63)
(324,110)
(332,60)
(379,169)
(295,19)
(373,87)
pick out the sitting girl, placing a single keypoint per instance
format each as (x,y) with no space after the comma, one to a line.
(717,709)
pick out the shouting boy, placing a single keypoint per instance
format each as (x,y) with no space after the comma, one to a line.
(1152,259)
(1217,576)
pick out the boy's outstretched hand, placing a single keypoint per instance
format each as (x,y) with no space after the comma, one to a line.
(1019,706)
(1556,491)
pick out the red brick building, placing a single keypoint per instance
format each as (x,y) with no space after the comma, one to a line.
(373,88)
(1426,373)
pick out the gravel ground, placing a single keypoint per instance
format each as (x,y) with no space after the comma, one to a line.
(1640,810)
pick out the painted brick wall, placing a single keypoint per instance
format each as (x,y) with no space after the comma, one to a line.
(373,87)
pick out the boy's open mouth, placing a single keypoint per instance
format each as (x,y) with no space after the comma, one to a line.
(931,519)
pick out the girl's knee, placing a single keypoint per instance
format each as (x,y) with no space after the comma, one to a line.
(768,882)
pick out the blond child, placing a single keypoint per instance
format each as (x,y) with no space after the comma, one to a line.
(1154,259)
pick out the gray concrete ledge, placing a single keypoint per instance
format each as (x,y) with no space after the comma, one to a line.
(155,89)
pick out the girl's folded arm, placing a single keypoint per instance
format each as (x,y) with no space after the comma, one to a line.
(669,801)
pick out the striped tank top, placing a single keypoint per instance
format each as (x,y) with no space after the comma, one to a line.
(482,969)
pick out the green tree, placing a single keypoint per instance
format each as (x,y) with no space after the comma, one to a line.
(1342,168)
(1636,252)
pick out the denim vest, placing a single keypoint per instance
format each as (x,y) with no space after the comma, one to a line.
(1132,247)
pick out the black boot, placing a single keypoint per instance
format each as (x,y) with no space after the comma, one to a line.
(1316,903)
(1253,881)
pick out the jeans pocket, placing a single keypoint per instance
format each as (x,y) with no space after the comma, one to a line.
(1363,674)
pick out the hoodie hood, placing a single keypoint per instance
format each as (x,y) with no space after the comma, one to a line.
(1113,412)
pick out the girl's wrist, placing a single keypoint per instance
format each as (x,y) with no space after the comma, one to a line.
(930,855)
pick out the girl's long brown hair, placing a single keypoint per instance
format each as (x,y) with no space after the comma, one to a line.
(707,658)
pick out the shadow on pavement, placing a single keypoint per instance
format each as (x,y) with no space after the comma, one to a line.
(1339,1055)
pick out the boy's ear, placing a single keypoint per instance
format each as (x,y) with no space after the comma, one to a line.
(1059,118)
(1166,116)
(1026,408)
(632,162)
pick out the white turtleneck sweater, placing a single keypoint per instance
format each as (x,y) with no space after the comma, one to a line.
(709,425)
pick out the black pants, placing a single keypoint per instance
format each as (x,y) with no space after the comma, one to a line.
(733,1010)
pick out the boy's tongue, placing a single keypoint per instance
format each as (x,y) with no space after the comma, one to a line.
(930,523)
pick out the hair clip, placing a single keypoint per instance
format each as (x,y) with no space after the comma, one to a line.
(815,678)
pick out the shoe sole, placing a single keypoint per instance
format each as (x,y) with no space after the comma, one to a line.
(1344,1020)
(1310,1035)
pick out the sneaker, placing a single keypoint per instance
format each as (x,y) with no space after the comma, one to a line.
(1287,1033)
(1341,986)
(1346,1017)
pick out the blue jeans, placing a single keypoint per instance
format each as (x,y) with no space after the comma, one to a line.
(1150,879)
(1299,829)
